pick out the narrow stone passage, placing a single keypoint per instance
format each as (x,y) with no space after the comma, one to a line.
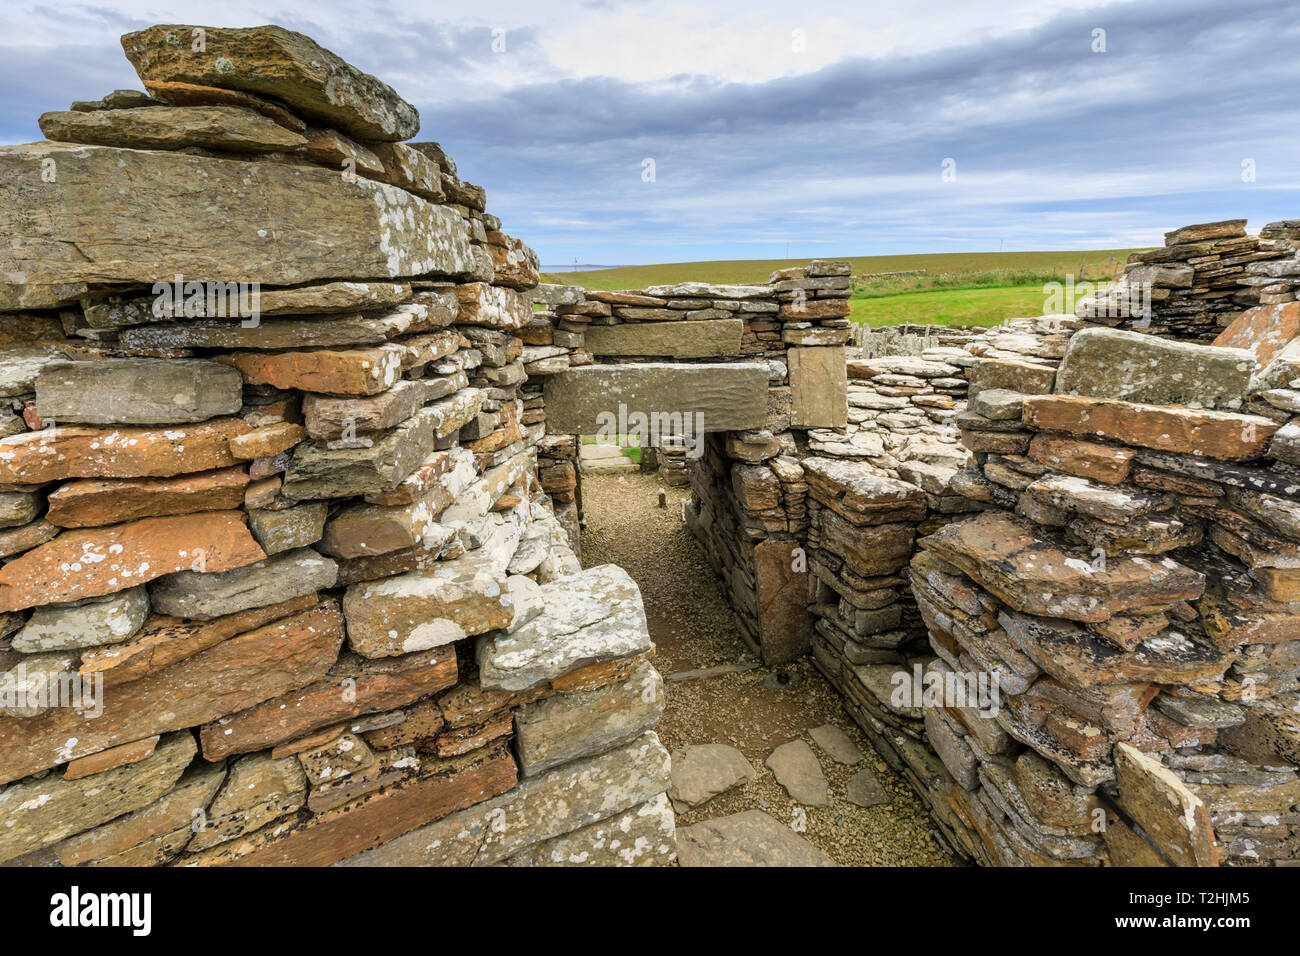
(746,706)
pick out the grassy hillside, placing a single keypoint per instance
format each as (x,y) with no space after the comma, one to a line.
(949,307)
(969,288)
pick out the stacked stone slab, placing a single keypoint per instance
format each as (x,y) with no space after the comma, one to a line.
(1201,279)
(748,504)
(905,414)
(906,439)
(862,527)
(291,538)
(672,463)
(902,413)
(1125,589)
(554,343)
(1122,588)
(744,369)
(902,419)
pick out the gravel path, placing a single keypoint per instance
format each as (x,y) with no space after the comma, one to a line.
(693,627)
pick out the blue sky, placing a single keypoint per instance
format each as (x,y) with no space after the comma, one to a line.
(821,128)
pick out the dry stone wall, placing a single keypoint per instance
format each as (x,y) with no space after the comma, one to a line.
(1201,280)
(1079,645)
(741,374)
(281,579)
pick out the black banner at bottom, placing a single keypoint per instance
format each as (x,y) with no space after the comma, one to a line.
(137,907)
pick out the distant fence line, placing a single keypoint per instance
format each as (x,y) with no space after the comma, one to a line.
(891,275)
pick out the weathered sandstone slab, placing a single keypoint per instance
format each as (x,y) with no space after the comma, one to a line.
(119,756)
(137,391)
(288,528)
(858,494)
(124,312)
(202,596)
(1263,331)
(63,452)
(1109,464)
(164,641)
(1174,817)
(371,821)
(107,620)
(42,812)
(316,471)
(258,789)
(371,687)
(541,807)
(645,835)
(327,416)
(592,616)
(288,332)
(818,387)
(275,62)
(94,561)
(231,129)
(700,397)
(1133,367)
(1220,435)
(285,224)
(1018,561)
(93,502)
(1078,658)
(493,306)
(565,727)
(680,340)
(702,771)
(338,372)
(752,838)
(150,836)
(425,609)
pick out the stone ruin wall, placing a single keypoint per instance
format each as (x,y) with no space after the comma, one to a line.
(1203,276)
(1103,523)
(1094,519)
(304,564)
(763,365)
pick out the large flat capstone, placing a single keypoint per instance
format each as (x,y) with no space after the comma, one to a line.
(1133,367)
(281,224)
(712,397)
(679,340)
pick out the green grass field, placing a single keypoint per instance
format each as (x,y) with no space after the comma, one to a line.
(972,288)
(950,307)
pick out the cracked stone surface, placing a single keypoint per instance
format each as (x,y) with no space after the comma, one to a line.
(751,838)
(796,768)
(702,771)
(836,744)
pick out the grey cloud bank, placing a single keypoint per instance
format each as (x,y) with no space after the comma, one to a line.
(1055,146)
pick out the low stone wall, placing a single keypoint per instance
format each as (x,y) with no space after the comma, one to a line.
(1109,672)
(282,580)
